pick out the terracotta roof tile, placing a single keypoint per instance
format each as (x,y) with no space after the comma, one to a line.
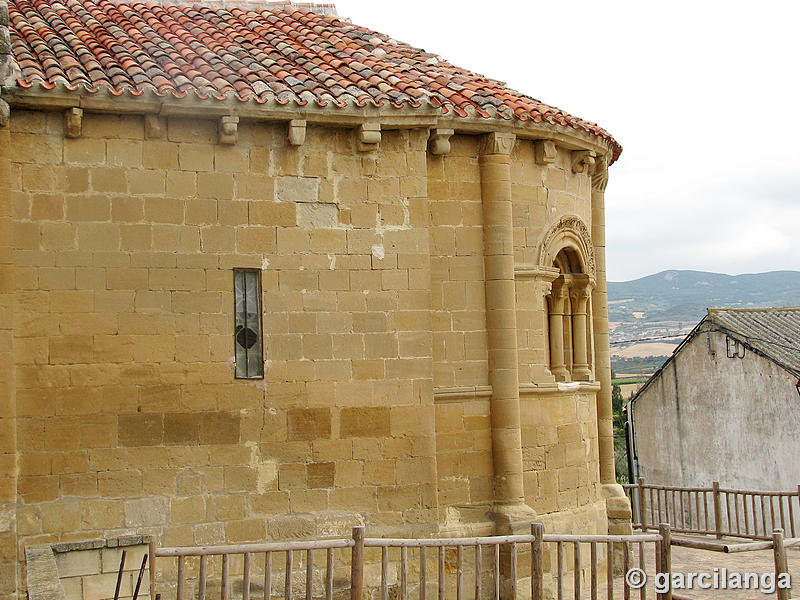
(289,54)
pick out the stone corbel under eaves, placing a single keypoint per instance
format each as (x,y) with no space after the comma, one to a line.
(368,136)
(60,99)
(73,122)
(583,161)
(228,130)
(545,152)
(568,138)
(439,141)
(297,132)
(153,127)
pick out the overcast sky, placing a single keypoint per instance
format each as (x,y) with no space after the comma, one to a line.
(704,97)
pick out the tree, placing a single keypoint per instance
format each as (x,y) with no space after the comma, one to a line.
(617,404)
(620,450)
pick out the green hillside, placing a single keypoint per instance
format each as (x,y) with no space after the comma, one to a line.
(683,296)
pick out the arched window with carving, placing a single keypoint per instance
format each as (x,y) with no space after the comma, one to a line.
(568,319)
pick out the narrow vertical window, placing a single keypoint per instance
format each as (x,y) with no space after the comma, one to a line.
(247,329)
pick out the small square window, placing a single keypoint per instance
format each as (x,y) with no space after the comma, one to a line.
(247,327)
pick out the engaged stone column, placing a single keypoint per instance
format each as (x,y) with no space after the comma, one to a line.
(581,292)
(618,507)
(501,323)
(600,302)
(557,302)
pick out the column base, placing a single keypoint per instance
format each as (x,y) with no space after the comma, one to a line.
(618,511)
(581,373)
(510,519)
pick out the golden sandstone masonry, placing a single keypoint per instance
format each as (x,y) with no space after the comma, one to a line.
(432,316)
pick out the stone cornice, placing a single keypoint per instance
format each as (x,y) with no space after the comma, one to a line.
(37,98)
(560,387)
(547,274)
(468,392)
(474,392)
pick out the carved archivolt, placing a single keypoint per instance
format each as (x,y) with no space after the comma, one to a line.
(569,232)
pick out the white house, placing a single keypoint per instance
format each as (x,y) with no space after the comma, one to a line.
(725,406)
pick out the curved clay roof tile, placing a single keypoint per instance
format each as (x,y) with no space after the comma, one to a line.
(290,55)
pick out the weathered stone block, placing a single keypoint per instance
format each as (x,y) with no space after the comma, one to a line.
(365,422)
(309,423)
(140,429)
(250,530)
(142,512)
(297,189)
(181,428)
(317,215)
(188,510)
(219,428)
(321,475)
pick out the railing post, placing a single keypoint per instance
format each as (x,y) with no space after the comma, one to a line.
(791,513)
(357,564)
(665,564)
(781,568)
(642,505)
(151,559)
(717,509)
(537,531)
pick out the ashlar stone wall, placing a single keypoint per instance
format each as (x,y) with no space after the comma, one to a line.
(129,417)
(375,403)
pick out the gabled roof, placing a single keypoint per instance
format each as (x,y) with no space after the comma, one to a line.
(254,55)
(773,332)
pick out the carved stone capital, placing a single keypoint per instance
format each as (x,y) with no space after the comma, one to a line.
(559,292)
(497,143)
(582,161)
(543,277)
(228,130)
(73,122)
(369,136)
(153,127)
(5,113)
(600,174)
(440,141)
(580,290)
(561,287)
(297,132)
(545,152)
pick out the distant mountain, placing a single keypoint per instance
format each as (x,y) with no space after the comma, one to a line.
(673,298)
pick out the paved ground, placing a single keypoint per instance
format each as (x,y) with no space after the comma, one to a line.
(686,560)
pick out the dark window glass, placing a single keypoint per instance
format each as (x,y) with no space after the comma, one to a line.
(247,331)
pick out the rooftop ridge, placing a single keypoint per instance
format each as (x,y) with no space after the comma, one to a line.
(754,309)
(327,9)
